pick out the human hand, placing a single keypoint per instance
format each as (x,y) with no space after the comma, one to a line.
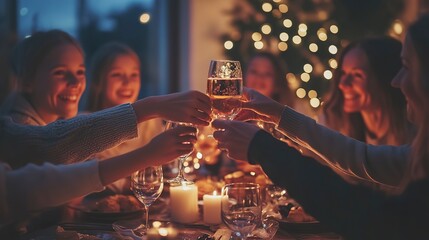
(172,144)
(234,137)
(190,107)
(259,107)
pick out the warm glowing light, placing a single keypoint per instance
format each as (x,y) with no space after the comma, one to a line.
(266,29)
(302,33)
(321,33)
(267,7)
(277,1)
(302,27)
(334,29)
(323,37)
(187,169)
(185,164)
(144,18)
(163,232)
(287,23)
(308,68)
(228,45)
(256,36)
(199,155)
(282,46)
(156,224)
(327,74)
(296,39)
(313,47)
(312,94)
(315,102)
(283,8)
(284,36)
(197,165)
(333,49)
(305,77)
(333,63)
(300,92)
(398,28)
(259,45)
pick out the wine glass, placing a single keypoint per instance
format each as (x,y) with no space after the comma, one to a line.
(180,178)
(241,207)
(225,88)
(147,185)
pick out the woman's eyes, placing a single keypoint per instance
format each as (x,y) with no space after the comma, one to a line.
(64,72)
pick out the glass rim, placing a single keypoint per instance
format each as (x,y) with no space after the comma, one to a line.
(243,185)
(223,60)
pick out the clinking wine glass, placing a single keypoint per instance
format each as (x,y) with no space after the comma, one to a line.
(241,208)
(225,88)
(147,185)
(180,178)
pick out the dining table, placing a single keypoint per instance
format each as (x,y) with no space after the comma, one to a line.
(79,221)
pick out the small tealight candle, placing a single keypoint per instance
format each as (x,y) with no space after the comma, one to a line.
(212,206)
(161,233)
(184,203)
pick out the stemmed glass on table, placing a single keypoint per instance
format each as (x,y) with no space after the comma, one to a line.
(241,207)
(147,185)
(225,88)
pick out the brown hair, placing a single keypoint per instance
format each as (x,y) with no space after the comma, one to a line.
(418,34)
(384,61)
(29,53)
(283,93)
(100,64)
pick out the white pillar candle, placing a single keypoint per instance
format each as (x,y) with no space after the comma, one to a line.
(184,203)
(211,209)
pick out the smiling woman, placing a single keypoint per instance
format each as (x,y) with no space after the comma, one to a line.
(115,79)
(362,104)
(50,70)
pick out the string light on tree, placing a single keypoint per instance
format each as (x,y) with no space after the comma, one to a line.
(310,34)
(287,23)
(282,46)
(313,47)
(266,29)
(333,63)
(283,8)
(301,93)
(267,7)
(308,68)
(305,77)
(312,94)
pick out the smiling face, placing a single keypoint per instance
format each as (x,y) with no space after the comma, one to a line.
(58,83)
(122,81)
(354,81)
(408,81)
(260,76)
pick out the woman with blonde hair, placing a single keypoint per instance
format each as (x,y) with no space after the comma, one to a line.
(114,80)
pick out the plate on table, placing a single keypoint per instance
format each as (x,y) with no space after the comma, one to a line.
(299,221)
(110,208)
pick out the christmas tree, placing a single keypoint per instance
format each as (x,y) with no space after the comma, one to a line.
(307,35)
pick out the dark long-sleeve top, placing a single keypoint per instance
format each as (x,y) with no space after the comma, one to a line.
(356,212)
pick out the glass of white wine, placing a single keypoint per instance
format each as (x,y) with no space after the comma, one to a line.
(241,208)
(147,185)
(225,88)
